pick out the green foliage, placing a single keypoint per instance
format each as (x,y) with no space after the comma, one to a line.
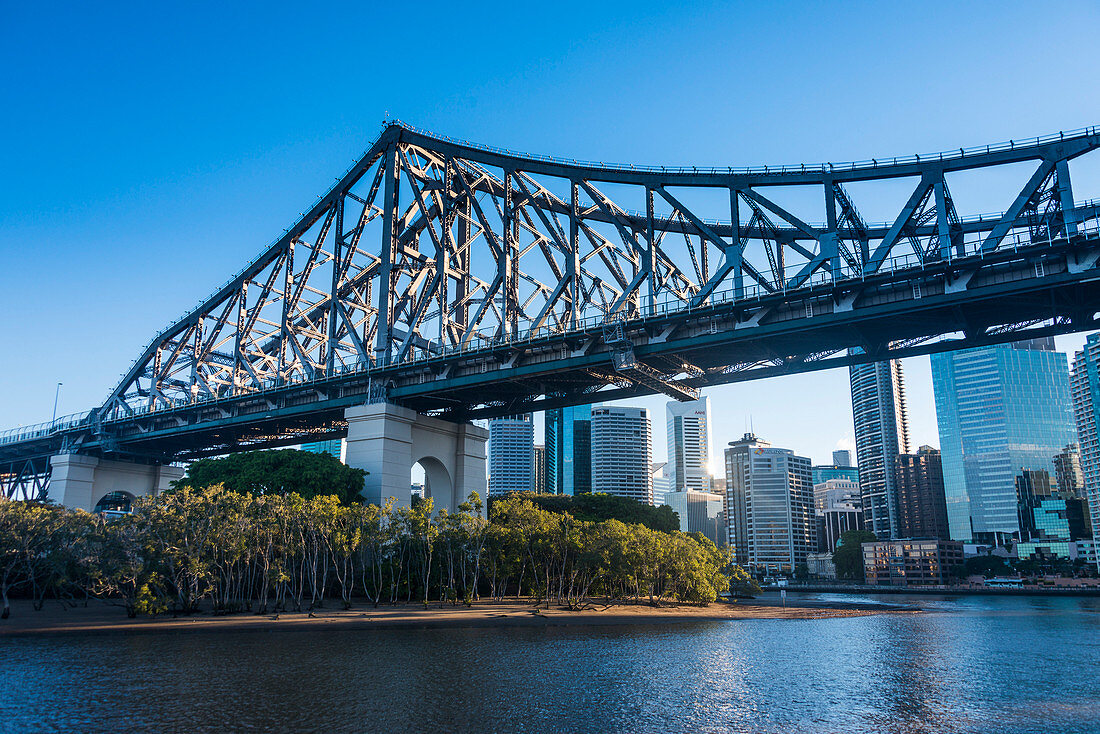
(571,559)
(38,543)
(278,472)
(987,566)
(848,557)
(742,584)
(601,507)
(239,551)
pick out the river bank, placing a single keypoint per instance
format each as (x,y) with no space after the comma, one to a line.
(99,617)
(863,589)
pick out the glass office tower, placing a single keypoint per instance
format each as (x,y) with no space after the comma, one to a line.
(1004,413)
(569,450)
(333,447)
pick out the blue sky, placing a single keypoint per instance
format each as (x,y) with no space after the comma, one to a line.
(149,151)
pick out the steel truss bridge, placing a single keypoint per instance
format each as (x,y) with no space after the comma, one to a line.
(466,281)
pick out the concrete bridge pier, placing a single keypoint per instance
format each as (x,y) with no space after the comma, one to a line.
(388,440)
(83,482)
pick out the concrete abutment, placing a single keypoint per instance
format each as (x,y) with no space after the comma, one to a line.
(387,440)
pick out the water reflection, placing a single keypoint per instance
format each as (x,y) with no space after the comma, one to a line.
(974,664)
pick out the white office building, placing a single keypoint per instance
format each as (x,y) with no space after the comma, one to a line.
(688,427)
(770,506)
(834,492)
(621,452)
(511,454)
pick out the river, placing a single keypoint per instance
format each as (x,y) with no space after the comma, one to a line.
(969,664)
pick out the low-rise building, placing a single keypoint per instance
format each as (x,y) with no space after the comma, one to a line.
(1045,550)
(1089,551)
(910,562)
(820,565)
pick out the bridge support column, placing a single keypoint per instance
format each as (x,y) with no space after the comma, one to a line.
(80,482)
(387,440)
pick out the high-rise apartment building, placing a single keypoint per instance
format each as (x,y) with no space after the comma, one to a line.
(770,506)
(882,432)
(569,450)
(688,430)
(540,469)
(511,454)
(1004,413)
(922,506)
(621,452)
(1086,409)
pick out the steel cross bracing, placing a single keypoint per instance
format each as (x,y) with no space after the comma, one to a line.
(467,281)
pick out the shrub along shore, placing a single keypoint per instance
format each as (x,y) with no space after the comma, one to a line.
(239,552)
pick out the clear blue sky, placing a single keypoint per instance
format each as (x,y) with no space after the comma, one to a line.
(148,151)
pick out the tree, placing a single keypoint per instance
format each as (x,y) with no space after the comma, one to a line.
(600,507)
(278,472)
(986,566)
(848,557)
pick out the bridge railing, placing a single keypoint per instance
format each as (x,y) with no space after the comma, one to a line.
(872,163)
(41,430)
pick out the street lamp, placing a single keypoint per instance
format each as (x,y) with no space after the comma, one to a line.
(56,393)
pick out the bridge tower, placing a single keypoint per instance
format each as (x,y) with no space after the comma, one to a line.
(388,440)
(84,482)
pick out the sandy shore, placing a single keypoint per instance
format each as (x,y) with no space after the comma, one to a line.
(99,617)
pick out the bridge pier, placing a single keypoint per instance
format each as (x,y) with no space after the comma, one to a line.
(81,482)
(387,440)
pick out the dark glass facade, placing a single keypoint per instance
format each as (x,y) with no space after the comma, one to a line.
(569,450)
(922,507)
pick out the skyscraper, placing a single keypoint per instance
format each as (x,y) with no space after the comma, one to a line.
(540,469)
(1086,410)
(922,507)
(770,506)
(882,432)
(569,450)
(842,457)
(511,454)
(621,452)
(688,430)
(1004,412)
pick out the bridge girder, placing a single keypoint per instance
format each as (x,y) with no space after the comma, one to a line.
(435,268)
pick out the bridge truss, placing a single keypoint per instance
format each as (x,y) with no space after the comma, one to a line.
(467,281)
